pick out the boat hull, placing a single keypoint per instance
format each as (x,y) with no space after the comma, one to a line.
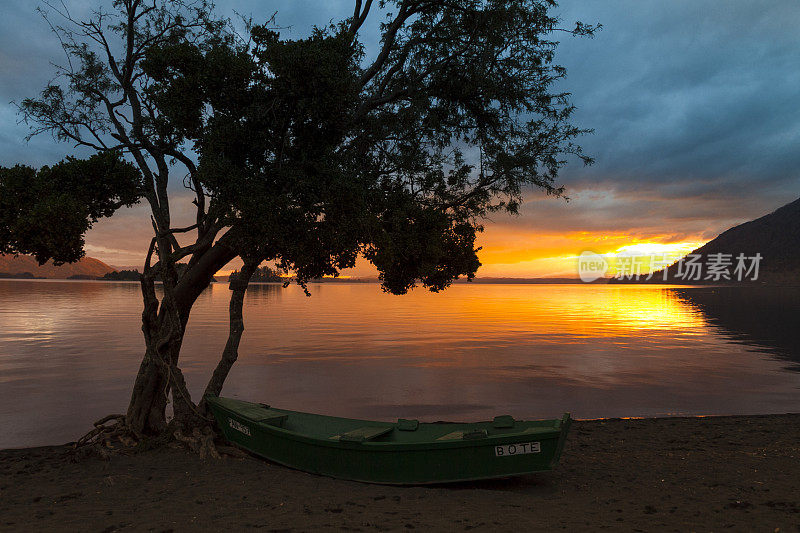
(436,461)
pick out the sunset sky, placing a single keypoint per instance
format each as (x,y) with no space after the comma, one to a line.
(694,104)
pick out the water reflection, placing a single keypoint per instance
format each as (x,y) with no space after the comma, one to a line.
(764,318)
(68,351)
(264,293)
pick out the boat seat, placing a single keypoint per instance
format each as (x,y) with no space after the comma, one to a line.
(265,416)
(475,434)
(407,425)
(363,434)
(503,421)
(465,435)
(455,435)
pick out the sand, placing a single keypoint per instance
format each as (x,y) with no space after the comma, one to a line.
(670,474)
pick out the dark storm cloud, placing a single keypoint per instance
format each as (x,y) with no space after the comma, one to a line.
(690,97)
(27,49)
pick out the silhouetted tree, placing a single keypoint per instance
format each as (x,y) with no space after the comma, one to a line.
(263,274)
(47,212)
(122,275)
(304,152)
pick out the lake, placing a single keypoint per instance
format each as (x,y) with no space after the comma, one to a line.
(69,352)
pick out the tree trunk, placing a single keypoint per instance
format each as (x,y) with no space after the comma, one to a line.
(163,327)
(147,408)
(231,352)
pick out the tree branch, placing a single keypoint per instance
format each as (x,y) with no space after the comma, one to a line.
(407,10)
(359,16)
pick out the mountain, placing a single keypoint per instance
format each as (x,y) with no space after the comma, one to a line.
(86,268)
(776,237)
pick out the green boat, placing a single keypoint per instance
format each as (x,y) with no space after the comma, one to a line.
(405,452)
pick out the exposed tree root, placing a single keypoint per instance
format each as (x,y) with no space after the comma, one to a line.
(201,442)
(111,436)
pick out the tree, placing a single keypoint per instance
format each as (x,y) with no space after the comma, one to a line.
(306,153)
(122,275)
(263,274)
(47,212)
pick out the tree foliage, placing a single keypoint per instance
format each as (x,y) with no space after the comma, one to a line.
(320,156)
(46,213)
(313,154)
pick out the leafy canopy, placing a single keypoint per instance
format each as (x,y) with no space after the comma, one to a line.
(46,213)
(308,152)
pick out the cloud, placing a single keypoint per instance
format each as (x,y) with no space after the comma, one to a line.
(688,91)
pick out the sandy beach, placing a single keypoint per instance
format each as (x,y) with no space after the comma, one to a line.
(669,474)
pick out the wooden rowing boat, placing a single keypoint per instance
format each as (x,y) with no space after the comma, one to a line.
(402,452)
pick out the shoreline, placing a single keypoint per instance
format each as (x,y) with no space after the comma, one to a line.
(68,444)
(650,474)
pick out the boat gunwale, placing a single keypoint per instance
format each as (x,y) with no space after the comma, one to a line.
(377,446)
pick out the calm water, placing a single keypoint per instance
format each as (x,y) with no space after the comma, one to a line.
(69,351)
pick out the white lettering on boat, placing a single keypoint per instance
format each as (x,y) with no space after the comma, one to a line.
(239,427)
(520,448)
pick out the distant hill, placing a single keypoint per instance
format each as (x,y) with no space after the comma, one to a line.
(775,236)
(86,268)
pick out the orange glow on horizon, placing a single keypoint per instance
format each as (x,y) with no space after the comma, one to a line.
(515,253)
(509,253)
